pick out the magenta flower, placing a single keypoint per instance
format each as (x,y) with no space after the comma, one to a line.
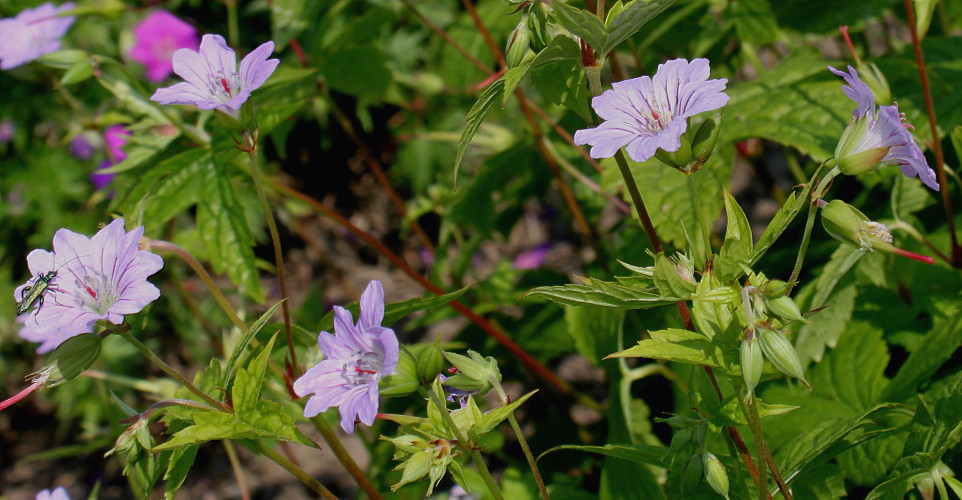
(646,114)
(33,33)
(114,138)
(158,36)
(99,278)
(212,79)
(878,137)
(533,258)
(354,361)
(6,131)
(58,494)
(81,148)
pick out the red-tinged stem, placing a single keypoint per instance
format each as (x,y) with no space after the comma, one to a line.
(936,143)
(492,330)
(914,256)
(848,41)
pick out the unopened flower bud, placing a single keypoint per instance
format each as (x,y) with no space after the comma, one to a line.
(704,142)
(784,307)
(782,354)
(850,226)
(715,473)
(518,43)
(430,363)
(774,289)
(75,355)
(474,372)
(753,362)
(681,159)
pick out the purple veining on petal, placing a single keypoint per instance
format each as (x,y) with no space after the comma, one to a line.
(98,278)
(158,36)
(33,33)
(211,77)
(646,114)
(356,358)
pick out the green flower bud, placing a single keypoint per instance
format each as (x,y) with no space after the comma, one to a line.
(430,363)
(847,224)
(753,362)
(474,372)
(774,289)
(518,43)
(681,159)
(692,475)
(704,142)
(715,473)
(782,354)
(538,25)
(75,355)
(784,307)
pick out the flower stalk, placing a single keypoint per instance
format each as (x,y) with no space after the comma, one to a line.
(505,400)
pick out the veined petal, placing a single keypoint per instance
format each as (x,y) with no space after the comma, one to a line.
(606,139)
(256,68)
(220,58)
(372,305)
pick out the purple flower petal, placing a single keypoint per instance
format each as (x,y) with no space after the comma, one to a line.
(99,278)
(356,358)
(646,114)
(33,33)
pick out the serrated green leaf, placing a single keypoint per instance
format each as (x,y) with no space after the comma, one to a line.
(738,246)
(492,418)
(634,16)
(170,187)
(225,233)
(562,82)
(282,95)
(512,78)
(583,24)
(359,71)
(793,205)
(147,140)
(668,281)
(683,346)
(754,21)
(180,463)
(473,120)
(935,348)
(115,82)
(602,294)
(248,382)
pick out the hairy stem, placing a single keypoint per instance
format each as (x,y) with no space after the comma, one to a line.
(330,437)
(292,368)
(505,401)
(203,275)
(174,374)
(750,410)
(291,467)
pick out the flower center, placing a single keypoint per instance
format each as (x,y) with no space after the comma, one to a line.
(223,87)
(653,120)
(362,368)
(96,293)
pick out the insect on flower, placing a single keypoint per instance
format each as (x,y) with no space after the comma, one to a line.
(34,292)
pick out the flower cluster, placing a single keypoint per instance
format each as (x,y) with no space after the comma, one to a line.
(878,136)
(646,114)
(212,78)
(88,279)
(33,33)
(355,360)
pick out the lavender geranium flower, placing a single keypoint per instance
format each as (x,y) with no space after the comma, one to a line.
(212,79)
(98,278)
(878,137)
(355,359)
(32,33)
(646,114)
(58,494)
(158,36)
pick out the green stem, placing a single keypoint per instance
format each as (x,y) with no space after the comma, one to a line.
(203,275)
(702,237)
(475,456)
(750,410)
(505,401)
(637,201)
(235,465)
(345,457)
(159,363)
(292,369)
(816,194)
(233,32)
(291,467)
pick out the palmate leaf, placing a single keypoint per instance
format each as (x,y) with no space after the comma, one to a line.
(225,233)
(626,23)
(253,418)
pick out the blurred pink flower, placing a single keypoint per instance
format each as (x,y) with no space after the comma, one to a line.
(114,138)
(158,36)
(33,33)
(533,258)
